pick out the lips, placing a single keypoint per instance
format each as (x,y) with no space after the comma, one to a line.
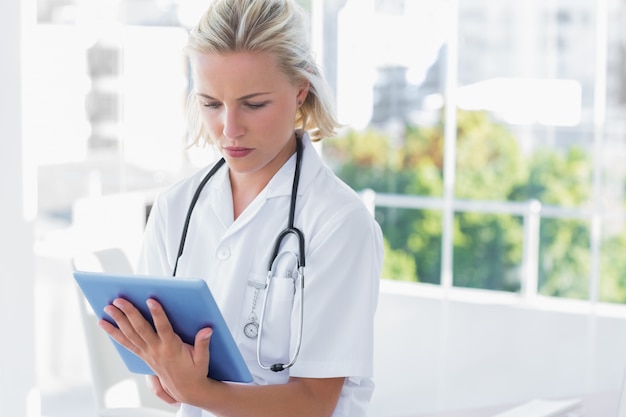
(237,151)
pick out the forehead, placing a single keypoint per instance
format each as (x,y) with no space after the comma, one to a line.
(237,72)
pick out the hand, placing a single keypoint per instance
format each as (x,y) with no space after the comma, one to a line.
(180,367)
(154,383)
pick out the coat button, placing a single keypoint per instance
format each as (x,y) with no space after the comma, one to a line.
(223,254)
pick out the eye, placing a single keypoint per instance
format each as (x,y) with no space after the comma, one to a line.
(255,106)
(211,104)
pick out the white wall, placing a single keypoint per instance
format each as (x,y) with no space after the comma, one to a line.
(17,358)
(473,349)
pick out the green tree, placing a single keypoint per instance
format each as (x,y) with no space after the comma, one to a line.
(561,179)
(489,163)
(613,266)
(489,166)
(398,265)
(366,160)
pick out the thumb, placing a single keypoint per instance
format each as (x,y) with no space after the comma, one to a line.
(201,346)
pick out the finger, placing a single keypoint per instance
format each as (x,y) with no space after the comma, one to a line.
(119,328)
(201,353)
(161,322)
(110,329)
(131,322)
(117,335)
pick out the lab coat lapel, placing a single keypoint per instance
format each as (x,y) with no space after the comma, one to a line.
(221,199)
(279,185)
(282,182)
(222,204)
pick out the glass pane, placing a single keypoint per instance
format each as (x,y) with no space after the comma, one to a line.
(564,258)
(105,118)
(412,244)
(372,159)
(616,66)
(488,251)
(525,100)
(613,261)
(93,115)
(559,174)
(490,163)
(389,91)
(130,12)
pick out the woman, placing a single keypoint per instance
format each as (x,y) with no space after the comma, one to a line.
(260,100)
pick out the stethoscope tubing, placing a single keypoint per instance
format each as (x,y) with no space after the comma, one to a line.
(192,205)
(289,230)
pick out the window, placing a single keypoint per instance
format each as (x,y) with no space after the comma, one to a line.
(493,133)
(524,192)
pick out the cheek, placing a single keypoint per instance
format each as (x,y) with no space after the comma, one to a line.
(281,117)
(211,121)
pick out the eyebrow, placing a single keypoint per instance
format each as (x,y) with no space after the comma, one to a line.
(246,97)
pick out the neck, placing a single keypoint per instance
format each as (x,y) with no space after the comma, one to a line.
(246,186)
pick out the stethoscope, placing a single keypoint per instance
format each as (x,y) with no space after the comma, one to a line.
(252,328)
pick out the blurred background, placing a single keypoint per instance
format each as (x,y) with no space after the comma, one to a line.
(488,138)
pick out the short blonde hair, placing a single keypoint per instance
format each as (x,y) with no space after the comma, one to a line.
(277,27)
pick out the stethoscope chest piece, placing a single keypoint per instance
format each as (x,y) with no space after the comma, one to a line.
(298,282)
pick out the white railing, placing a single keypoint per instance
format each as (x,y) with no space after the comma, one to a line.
(531,212)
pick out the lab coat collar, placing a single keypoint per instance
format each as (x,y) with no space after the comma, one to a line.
(281,184)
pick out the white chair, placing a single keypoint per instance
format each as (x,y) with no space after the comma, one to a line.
(118,393)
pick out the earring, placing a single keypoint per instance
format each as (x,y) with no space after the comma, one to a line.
(299,103)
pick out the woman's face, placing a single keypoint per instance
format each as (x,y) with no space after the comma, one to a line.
(248,107)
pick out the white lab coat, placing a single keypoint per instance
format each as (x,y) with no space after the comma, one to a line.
(343,251)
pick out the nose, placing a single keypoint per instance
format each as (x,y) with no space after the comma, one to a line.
(233,126)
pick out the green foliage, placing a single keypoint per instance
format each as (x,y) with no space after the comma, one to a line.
(557,179)
(398,265)
(564,258)
(424,238)
(561,179)
(613,267)
(369,160)
(489,162)
(361,159)
(487,247)
(487,251)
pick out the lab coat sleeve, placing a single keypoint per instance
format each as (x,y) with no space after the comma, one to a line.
(344,263)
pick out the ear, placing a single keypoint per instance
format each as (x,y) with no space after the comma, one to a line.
(303,92)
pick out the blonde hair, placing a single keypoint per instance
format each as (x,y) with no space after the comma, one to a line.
(277,27)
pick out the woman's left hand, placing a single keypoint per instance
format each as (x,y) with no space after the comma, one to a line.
(154,384)
(179,366)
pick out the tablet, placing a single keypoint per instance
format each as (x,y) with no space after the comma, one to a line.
(189,305)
